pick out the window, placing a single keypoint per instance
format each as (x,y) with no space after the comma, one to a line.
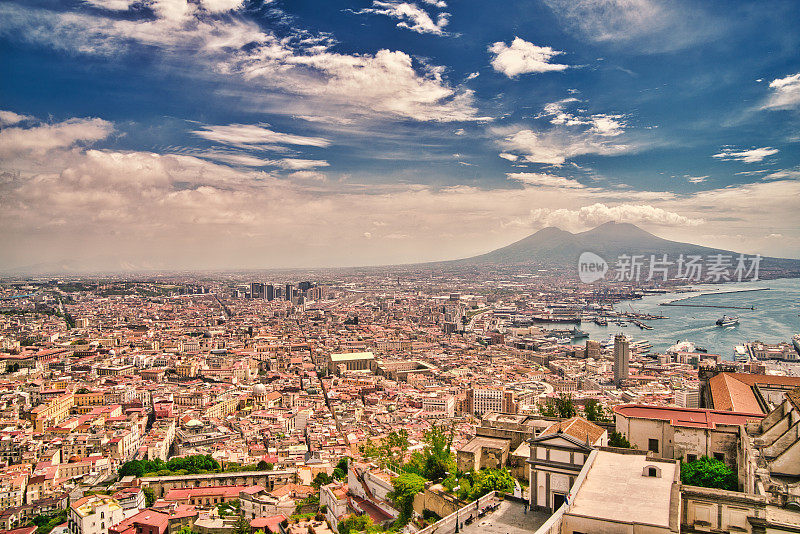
(652,445)
(719,456)
(691,457)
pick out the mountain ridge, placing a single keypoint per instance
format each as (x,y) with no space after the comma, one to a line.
(554,246)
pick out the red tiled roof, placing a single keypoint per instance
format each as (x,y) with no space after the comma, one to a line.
(687,417)
(269,523)
(578,428)
(733,391)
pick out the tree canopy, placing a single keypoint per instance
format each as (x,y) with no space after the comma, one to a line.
(191,465)
(617,439)
(488,480)
(436,460)
(563,406)
(709,473)
(594,411)
(356,523)
(406,486)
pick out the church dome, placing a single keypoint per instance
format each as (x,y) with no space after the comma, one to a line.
(259,390)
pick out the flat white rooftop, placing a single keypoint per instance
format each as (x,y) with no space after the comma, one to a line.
(616,490)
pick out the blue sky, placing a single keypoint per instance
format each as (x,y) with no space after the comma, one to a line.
(228,133)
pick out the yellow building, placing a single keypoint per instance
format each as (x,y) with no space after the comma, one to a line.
(52,412)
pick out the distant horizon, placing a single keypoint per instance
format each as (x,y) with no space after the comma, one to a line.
(174,270)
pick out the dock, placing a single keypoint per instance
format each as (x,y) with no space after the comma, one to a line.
(708,306)
(734,291)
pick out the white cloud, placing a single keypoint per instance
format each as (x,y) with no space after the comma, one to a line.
(596,214)
(248,160)
(387,84)
(112,5)
(255,135)
(46,137)
(245,160)
(309,176)
(785,93)
(555,146)
(544,180)
(9,118)
(523,57)
(509,157)
(695,179)
(410,15)
(753,155)
(220,6)
(297,164)
(172,209)
(602,124)
(783,174)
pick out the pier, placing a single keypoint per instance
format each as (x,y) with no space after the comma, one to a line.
(708,306)
(733,291)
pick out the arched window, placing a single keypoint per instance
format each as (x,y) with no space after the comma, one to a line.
(651,471)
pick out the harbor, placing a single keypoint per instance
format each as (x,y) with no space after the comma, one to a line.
(768,316)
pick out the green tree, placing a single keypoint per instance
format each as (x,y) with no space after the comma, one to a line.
(563,406)
(355,523)
(149,496)
(406,486)
(594,411)
(709,473)
(342,464)
(242,525)
(488,480)
(617,439)
(321,479)
(436,460)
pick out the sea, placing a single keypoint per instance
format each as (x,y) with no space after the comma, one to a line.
(775,317)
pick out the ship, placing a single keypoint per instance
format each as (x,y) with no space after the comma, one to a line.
(578,334)
(740,354)
(796,342)
(682,346)
(601,321)
(727,320)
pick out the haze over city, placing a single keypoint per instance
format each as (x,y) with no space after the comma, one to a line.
(229,134)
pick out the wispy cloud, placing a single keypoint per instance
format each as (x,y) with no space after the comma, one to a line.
(785,93)
(255,135)
(753,155)
(647,25)
(544,180)
(410,15)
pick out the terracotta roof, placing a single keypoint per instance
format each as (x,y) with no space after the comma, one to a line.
(687,417)
(794,398)
(733,391)
(268,523)
(577,427)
